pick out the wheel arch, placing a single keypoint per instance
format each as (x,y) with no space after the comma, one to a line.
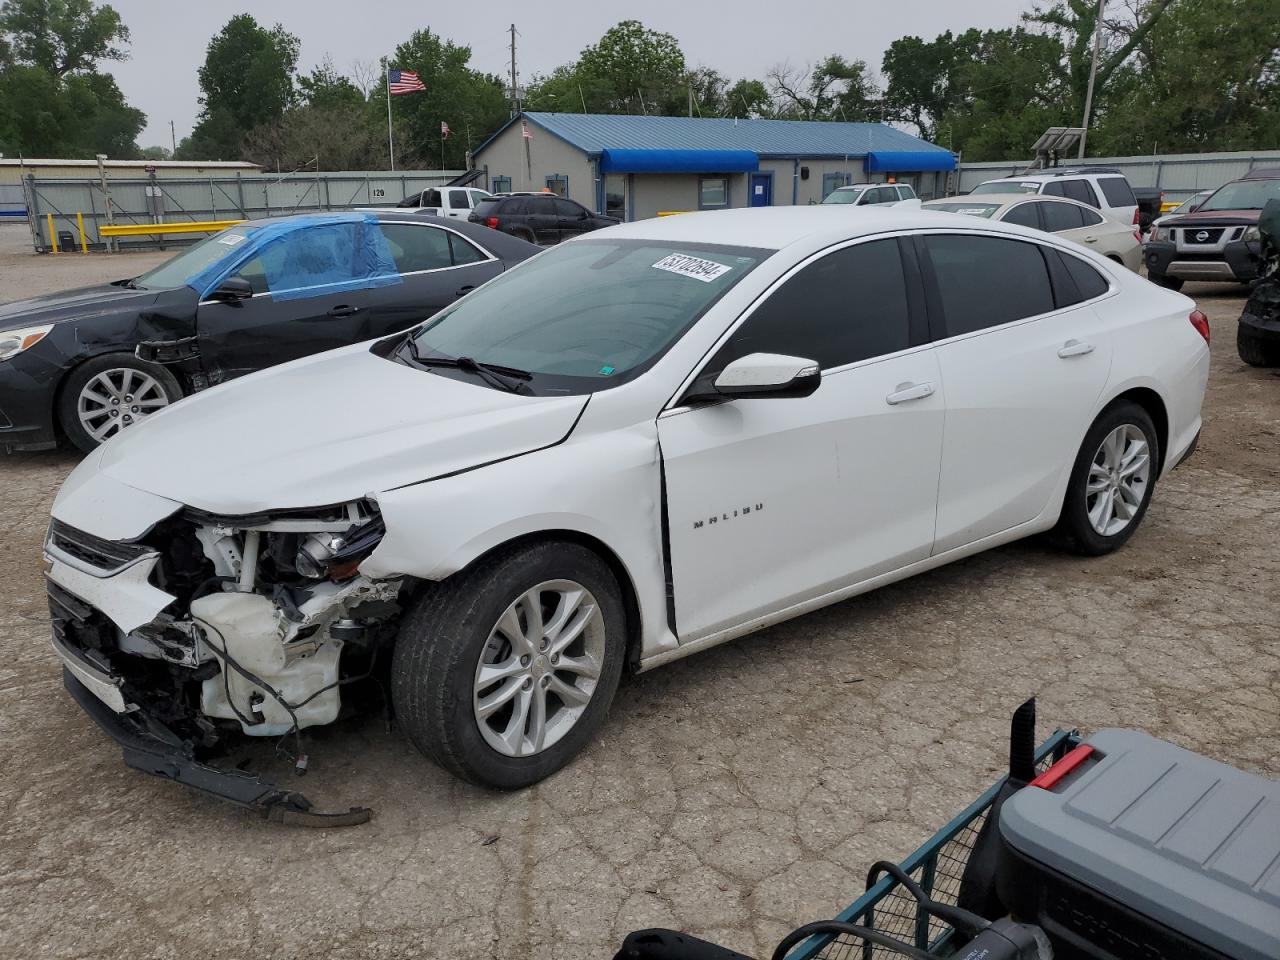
(1156,409)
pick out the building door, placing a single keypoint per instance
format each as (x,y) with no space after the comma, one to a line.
(762,190)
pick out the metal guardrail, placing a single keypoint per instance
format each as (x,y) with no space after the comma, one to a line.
(149,229)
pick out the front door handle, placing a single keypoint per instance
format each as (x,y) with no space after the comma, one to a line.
(343,310)
(1074,348)
(909,391)
(465,290)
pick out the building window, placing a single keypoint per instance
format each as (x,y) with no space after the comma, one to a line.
(832,181)
(501,184)
(558,184)
(713,192)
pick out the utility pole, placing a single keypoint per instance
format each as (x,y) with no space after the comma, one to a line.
(1093,72)
(173,139)
(515,90)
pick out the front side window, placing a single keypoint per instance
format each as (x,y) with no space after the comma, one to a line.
(1061,216)
(458,199)
(568,210)
(849,305)
(416,248)
(906,192)
(844,196)
(587,315)
(713,192)
(986,281)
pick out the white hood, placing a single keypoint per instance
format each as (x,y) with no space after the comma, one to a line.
(327,429)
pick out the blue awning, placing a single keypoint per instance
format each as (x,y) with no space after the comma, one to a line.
(679,161)
(910,161)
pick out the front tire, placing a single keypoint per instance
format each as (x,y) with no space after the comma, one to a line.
(1255,351)
(1111,482)
(1169,283)
(505,671)
(111,393)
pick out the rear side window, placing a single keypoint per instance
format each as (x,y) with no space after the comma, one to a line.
(416,248)
(567,208)
(541,206)
(1072,190)
(986,281)
(1117,191)
(1024,215)
(1061,216)
(851,305)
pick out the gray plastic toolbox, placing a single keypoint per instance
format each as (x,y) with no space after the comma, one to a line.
(1147,850)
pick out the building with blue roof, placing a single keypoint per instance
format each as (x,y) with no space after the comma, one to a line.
(636,167)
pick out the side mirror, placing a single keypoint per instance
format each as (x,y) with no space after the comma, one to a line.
(761,375)
(232,289)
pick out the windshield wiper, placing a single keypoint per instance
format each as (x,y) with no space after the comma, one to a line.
(496,375)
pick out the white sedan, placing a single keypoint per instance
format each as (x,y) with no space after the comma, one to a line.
(1069,219)
(634,446)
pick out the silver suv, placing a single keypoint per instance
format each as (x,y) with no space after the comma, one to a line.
(866,193)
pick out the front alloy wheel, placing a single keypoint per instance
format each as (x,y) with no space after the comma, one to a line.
(116,399)
(539,668)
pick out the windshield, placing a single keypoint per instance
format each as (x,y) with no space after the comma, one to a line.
(972,209)
(589,314)
(1006,186)
(193,260)
(842,195)
(1243,195)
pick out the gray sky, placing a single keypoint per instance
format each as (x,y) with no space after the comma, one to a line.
(743,39)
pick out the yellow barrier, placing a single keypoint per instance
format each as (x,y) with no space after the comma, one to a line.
(154,229)
(53,237)
(672,213)
(84,246)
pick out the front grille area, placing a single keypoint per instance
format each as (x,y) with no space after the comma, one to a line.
(105,555)
(1194,234)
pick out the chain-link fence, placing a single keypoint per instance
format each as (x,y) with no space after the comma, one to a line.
(201,199)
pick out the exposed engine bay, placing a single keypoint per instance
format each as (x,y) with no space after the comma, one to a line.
(210,625)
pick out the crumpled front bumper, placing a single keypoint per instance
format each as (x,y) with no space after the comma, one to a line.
(151,747)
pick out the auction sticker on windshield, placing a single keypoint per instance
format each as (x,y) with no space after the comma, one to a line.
(694,267)
(231,239)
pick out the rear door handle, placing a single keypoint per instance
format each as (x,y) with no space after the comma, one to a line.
(465,290)
(1074,348)
(344,310)
(909,391)
(1090,239)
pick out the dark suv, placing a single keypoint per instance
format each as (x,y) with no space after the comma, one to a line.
(1219,241)
(538,217)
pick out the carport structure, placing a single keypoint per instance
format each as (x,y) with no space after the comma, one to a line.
(634,167)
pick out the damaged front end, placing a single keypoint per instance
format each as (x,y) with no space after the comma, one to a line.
(207,627)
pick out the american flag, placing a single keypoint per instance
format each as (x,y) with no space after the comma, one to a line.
(403,81)
(525,131)
(444,130)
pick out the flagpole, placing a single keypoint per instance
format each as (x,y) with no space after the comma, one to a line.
(391,146)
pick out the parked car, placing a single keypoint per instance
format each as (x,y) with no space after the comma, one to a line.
(89,363)
(1220,240)
(1150,201)
(1070,220)
(1104,188)
(638,445)
(1189,205)
(542,218)
(454,202)
(860,194)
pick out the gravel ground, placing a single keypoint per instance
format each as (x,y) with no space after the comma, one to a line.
(734,794)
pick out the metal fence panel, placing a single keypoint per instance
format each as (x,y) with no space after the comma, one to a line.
(195,199)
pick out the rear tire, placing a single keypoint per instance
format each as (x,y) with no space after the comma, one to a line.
(110,393)
(489,685)
(524,233)
(1255,351)
(1111,482)
(1166,281)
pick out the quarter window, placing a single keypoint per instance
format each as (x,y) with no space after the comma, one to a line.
(1061,216)
(850,305)
(464,251)
(713,192)
(986,281)
(1088,281)
(1091,218)
(415,248)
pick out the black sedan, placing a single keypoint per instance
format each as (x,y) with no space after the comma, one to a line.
(88,363)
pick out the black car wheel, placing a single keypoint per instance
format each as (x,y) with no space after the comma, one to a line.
(1168,282)
(505,671)
(111,393)
(523,233)
(1256,351)
(1111,481)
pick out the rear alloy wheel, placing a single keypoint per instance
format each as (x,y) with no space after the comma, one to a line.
(1111,481)
(108,394)
(1255,351)
(503,672)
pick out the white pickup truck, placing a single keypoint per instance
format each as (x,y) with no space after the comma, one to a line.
(453,202)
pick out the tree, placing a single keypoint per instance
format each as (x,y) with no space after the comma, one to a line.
(63,36)
(247,80)
(748,98)
(155,153)
(833,89)
(53,100)
(325,87)
(922,78)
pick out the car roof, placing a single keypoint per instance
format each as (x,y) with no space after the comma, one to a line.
(1270,174)
(1060,172)
(499,244)
(774,228)
(1013,199)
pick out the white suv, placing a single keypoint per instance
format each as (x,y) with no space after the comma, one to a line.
(862,194)
(1104,188)
(637,445)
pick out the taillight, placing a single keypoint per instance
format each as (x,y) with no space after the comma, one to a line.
(1137,225)
(1201,323)
(1136,219)
(492,223)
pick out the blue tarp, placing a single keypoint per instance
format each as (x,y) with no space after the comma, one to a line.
(307,256)
(910,161)
(678,161)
